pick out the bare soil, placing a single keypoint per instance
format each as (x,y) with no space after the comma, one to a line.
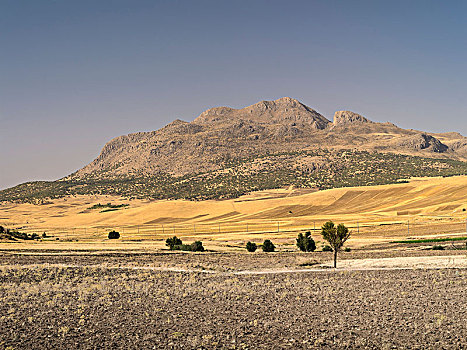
(89,302)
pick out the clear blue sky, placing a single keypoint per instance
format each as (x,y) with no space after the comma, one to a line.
(74,74)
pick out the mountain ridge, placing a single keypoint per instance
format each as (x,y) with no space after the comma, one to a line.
(226,152)
(284,124)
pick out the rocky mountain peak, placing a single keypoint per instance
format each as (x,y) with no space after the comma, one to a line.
(280,111)
(348,117)
(279,104)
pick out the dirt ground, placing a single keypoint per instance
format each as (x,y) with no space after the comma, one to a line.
(132,300)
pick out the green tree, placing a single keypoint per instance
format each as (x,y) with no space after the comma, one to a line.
(251,247)
(336,237)
(172,242)
(268,246)
(114,235)
(197,246)
(305,243)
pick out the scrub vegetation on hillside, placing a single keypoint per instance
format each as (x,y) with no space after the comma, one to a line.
(321,169)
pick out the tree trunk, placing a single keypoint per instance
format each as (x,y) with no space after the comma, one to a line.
(335,258)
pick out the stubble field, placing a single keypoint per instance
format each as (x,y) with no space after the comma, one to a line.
(375,214)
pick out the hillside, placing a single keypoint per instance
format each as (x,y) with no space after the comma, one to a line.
(226,152)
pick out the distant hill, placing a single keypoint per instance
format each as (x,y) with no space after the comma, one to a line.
(227,152)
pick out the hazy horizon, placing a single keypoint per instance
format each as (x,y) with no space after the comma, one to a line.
(76,74)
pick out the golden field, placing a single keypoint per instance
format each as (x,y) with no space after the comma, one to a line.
(376,214)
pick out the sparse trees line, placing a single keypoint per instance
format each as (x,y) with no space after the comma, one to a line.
(336,236)
(15,234)
(267,246)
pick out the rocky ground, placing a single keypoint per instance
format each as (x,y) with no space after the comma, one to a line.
(88,302)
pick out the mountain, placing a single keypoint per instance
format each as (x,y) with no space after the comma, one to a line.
(284,125)
(227,152)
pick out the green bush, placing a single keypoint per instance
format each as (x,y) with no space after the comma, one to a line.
(268,246)
(114,235)
(197,246)
(305,243)
(327,248)
(437,247)
(184,247)
(347,249)
(251,247)
(173,242)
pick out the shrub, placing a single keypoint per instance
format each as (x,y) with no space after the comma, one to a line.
(175,243)
(437,247)
(347,249)
(251,247)
(197,246)
(268,246)
(114,235)
(172,242)
(2,229)
(305,243)
(327,248)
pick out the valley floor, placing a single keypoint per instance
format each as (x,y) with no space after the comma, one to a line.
(88,300)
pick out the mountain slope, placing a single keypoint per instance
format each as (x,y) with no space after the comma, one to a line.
(228,152)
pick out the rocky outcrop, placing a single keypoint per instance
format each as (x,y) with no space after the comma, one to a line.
(348,117)
(423,142)
(459,145)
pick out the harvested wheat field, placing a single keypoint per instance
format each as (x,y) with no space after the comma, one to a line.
(423,207)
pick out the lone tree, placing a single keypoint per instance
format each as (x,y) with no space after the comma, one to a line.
(268,246)
(305,243)
(113,235)
(336,237)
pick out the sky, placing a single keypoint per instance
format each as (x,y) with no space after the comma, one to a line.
(75,74)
